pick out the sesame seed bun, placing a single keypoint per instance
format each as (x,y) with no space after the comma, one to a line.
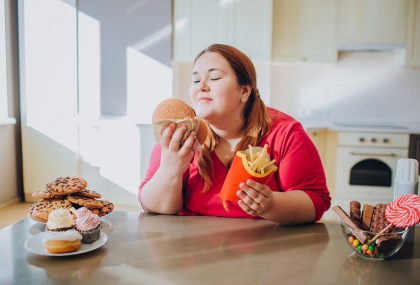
(176,109)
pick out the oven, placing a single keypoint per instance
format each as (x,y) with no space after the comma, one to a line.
(366,165)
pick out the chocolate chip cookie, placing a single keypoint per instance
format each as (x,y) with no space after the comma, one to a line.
(66,185)
(47,195)
(88,193)
(40,210)
(90,203)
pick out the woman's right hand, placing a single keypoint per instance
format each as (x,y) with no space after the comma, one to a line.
(175,158)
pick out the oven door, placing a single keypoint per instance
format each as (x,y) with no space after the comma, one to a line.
(366,174)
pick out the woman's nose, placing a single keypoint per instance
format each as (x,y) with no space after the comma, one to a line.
(203,86)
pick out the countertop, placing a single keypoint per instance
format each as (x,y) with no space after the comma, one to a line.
(161,249)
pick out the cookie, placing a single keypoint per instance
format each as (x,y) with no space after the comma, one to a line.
(66,185)
(88,193)
(47,195)
(107,208)
(40,210)
(90,203)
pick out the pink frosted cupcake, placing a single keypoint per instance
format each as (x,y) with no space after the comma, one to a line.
(88,225)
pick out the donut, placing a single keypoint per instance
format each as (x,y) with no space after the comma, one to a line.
(62,242)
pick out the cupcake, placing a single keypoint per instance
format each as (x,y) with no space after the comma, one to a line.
(62,242)
(60,220)
(88,225)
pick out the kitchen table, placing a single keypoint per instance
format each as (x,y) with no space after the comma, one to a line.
(162,249)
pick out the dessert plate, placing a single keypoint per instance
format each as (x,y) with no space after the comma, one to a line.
(34,244)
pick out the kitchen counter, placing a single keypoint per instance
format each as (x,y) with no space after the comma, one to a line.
(160,249)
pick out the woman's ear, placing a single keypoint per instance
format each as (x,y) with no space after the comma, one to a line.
(246,91)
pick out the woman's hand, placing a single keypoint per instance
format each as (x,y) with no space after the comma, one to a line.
(256,198)
(175,158)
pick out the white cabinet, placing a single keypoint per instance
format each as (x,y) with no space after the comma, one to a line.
(413,34)
(304,30)
(372,21)
(245,24)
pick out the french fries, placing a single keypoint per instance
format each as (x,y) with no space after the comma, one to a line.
(259,161)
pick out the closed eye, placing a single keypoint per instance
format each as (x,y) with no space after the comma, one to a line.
(214,79)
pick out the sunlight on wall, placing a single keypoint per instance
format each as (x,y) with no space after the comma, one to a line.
(89,66)
(49,64)
(119,142)
(148,83)
(3,74)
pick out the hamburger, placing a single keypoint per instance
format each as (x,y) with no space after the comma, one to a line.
(176,110)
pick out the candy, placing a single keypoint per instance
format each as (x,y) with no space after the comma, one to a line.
(404,212)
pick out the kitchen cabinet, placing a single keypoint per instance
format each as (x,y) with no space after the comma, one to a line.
(413,34)
(245,24)
(304,30)
(372,21)
(326,142)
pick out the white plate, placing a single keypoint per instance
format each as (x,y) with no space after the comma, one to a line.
(34,244)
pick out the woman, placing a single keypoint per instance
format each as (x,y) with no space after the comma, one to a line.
(187,181)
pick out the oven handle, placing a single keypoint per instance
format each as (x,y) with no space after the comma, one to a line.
(374,154)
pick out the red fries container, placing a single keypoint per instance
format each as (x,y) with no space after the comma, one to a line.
(240,171)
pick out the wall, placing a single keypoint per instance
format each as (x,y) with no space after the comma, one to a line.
(97,111)
(8,167)
(11,184)
(360,86)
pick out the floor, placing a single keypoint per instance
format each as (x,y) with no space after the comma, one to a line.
(13,212)
(17,211)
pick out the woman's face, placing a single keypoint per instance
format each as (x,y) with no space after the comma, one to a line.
(214,91)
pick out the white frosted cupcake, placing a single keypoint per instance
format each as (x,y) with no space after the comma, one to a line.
(88,225)
(60,220)
(62,242)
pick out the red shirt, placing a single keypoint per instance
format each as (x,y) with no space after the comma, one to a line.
(299,168)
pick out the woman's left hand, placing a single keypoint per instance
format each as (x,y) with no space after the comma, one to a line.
(256,198)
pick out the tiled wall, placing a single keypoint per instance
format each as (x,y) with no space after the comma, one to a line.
(360,86)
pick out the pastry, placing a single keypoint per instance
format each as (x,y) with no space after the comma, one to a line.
(60,220)
(88,225)
(66,185)
(62,242)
